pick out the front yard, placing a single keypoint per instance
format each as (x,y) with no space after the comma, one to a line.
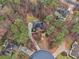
(63,57)
(4,57)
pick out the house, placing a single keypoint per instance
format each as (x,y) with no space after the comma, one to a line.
(37,25)
(75,3)
(75,50)
(61,12)
(70,1)
(76,6)
(9,47)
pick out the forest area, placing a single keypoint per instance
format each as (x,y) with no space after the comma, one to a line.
(52,25)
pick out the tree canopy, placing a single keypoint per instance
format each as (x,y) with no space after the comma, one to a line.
(19,31)
(75,28)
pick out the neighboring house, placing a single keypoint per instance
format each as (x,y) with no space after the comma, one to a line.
(75,3)
(75,50)
(9,47)
(70,1)
(76,6)
(61,13)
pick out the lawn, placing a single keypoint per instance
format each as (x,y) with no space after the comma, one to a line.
(8,57)
(63,57)
(1,18)
(4,57)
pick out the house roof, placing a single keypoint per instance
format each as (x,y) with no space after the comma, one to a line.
(73,2)
(70,1)
(62,12)
(38,24)
(76,6)
(75,50)
(41,54)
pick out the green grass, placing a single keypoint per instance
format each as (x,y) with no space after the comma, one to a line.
(4,57)
(8,57)
(19,30)
(63,57)
(1,17)
(14,56)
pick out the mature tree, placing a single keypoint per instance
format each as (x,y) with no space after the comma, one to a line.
(2,18)
(48,18)
(60,37)
(50,2)
(50,30)
(75,28)
(19,30)
(76,16)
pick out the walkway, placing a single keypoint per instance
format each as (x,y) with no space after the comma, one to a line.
(30,36)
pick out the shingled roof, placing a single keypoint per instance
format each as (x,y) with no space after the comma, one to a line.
(75,50)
